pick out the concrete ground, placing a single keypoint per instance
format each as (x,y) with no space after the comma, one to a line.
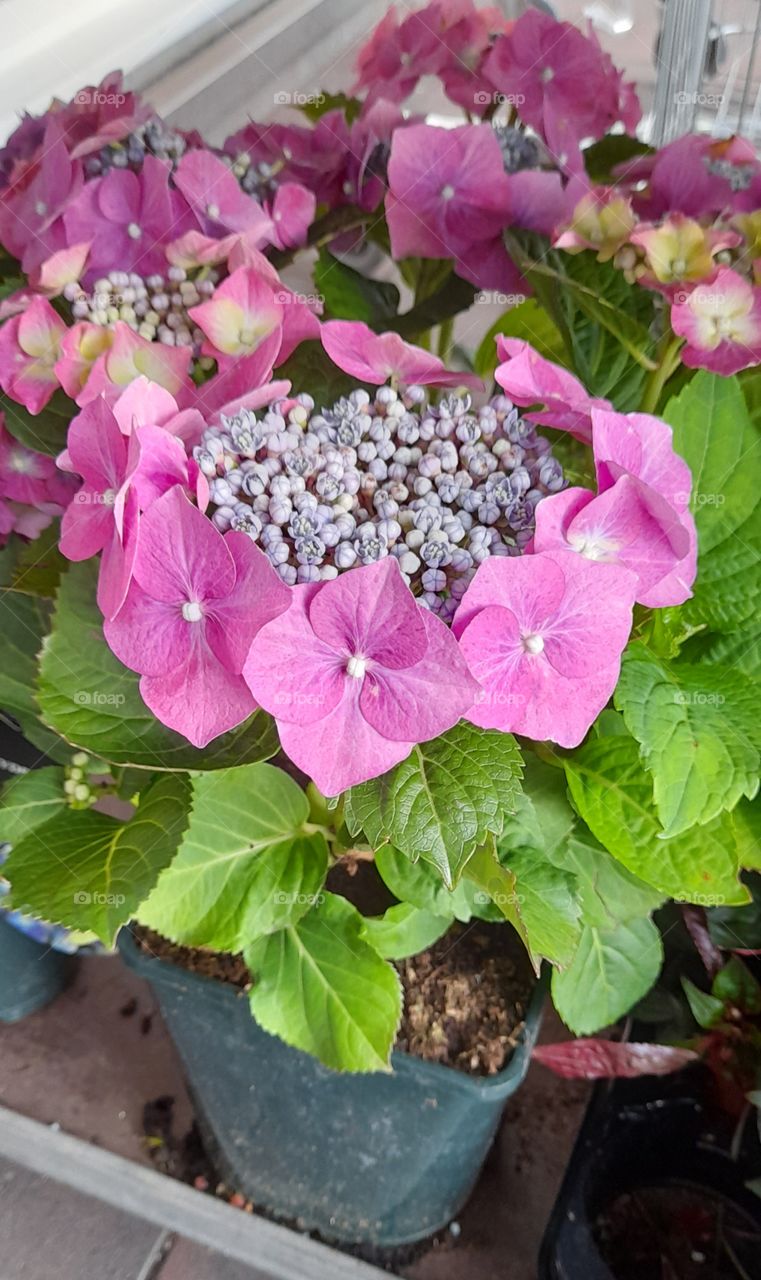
(89,1063)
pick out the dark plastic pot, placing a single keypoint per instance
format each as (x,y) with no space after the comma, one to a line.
(637,1134)
(382,1159)
(31,974)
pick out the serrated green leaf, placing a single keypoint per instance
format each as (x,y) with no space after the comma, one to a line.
(246,866)
(613,794)
(738,649)
(611,971)
(348,295)
(607,892)
(497,884)
(404,931)
(93,702)
(323,989)
(39,565)
(420,884)
(87,871)
(601,158)
(547,904)
(528,321)
(441,802)
(28,801)
(714,433)
(735,983)
(543,816)
(699,734)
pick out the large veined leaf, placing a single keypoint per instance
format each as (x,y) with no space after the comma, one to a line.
(714,433)
(441,802)
(699,732)
(246,866)
(740,650)
(88,871)
(420,884)
(528,321)
(323,988)
(613,795)
(543,816)
(348,295)
(606,891)
(24,621)
(611,971)
(547,904)
(404,931)
(91,700)
(28,801)
(45,431)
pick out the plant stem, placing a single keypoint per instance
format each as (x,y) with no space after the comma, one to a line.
(446,330)
(669,359)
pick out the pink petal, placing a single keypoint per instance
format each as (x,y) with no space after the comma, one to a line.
(370,612)
(148,635)
(641,445)
(96,447)
(258,596)
(290,671)
(118,561)
(182,556)
(341,749)
(199,699)
(376,357)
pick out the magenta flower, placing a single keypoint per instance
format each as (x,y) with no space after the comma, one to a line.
(629,524)
(29,348)
(292,214)
(30,207)
(378,357)
(121,356)
(243,317)
(529,379)
(561,82)
(543,634)
(448,191)
(639,445)
(215,196)
(196,602)
(356,673)
(721,322)
(129,218)
(31,478)
(695,175)
(398,54)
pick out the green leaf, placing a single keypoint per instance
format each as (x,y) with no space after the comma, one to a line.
(497,885)
(699,734)
(310,369)
(45,431)
(28,801)
(601,158)
(246,866)
(746,827)
(451,297)
(738,928)
(404,931)
(87,871)
(738,649)
(547,905)
(420,885)
(735,984)
(613,795)
(92,701)
(348,295)
(323,102)
(714,433)
(441,802)
(323,989)
(607,892)
(543,817)
(707,1010)
(24,620)
(39,565)
(611,971)
(529,321)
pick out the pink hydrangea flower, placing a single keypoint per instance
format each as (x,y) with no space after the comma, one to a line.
(603,221)
(29,348)
(81,346)
(356,673)
(99,114)
(127,356)
(679,251)
(292,214)
(628,524)
(529,379)
(129,217)
(564,86)
(39,192)
(448,191)
(721,322)
(121,475)
(398,54)
(242,318)
(378,357)
(543,634)
(29,477)
(693,176)
(197,600)
(215,196)
(640,445)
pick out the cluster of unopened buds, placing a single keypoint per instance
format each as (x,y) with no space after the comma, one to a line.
(156,306)
(154,138)
(440,486)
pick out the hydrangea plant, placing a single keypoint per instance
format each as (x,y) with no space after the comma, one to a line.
(310,584)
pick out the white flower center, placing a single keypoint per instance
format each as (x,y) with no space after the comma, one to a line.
(40,208)
(447,192)
(192,611)
(21,463)
(593,546)
(356,666)
(134,231)
(548,74)
(212,210)
(109,497)
(533,644)
(678,267)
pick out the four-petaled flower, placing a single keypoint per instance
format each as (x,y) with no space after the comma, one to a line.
(29,347)
(356,673)
(721,322)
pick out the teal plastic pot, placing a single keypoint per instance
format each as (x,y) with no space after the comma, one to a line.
(31,974)
(381,1159)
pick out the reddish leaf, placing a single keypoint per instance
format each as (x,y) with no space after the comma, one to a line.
(597,1059)
(696,923)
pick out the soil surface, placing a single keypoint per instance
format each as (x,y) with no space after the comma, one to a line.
(677,1233)
(465,998)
